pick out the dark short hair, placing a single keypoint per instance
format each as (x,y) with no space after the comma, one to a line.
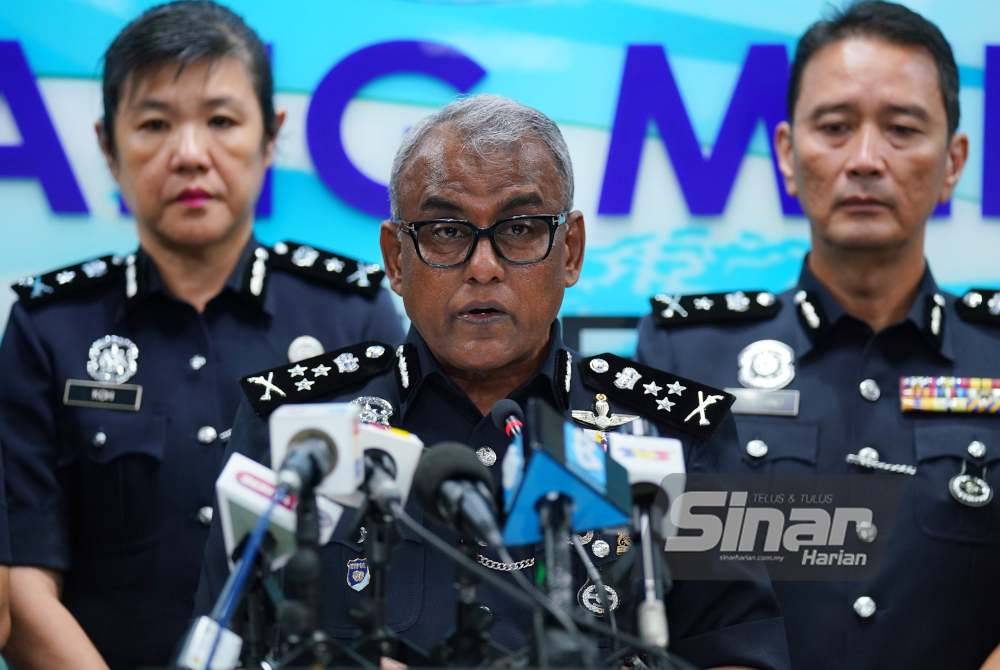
(184,32)
(887,21)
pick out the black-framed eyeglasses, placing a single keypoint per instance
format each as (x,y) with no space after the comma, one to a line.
(520,240)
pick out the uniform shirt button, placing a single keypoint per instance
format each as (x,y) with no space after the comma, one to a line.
(870,390)
(207,435)
(867,531)
(100,438)
(205,515)
(868,454)
(197,362)
(757,448)
(601,548)
(977,449)
(865,607)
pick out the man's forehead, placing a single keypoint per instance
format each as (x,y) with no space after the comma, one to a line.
(445,162)
(869,70)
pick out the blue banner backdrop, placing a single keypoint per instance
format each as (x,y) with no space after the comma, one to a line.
(667,105)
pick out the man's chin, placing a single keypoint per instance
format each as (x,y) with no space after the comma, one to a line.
(871,237)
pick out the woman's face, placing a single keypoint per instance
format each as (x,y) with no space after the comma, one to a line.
(191,153)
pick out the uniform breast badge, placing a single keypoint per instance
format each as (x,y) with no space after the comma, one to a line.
(111,361)
(970,490)
(374,410)
(358,576)
(601,417)
(589,599)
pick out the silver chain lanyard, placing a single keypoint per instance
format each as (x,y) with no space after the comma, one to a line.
(505,567)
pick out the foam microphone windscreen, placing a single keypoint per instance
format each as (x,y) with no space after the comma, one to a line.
(503,410)
(444,461)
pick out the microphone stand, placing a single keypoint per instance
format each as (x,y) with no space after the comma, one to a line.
(378,516)
(556,646)
(299,614)
(464,647)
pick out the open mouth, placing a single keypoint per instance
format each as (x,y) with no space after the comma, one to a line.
(480,314)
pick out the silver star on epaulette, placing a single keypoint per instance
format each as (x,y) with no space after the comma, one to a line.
(602,418)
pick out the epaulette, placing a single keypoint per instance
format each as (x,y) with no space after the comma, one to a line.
(670,311)
(671,401)
(341,272)
(68,281)
(317,377)
(980,305)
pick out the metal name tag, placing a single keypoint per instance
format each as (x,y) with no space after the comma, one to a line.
(85,393)
(782,402)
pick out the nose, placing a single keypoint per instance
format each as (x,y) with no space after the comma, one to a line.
(484,266)
(866,159)
(191,150)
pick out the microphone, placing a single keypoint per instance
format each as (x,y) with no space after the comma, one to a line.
(368,457)
(655,467)
(244,491)
(656,473)
(558,459)
(312,455)
(380,479)
(454,487)
(316,446)
(508,417)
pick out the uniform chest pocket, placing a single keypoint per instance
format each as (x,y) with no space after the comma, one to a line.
(349,587)
(943,448)
(114,480)
(779,445)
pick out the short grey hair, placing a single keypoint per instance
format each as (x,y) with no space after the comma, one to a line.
(486,123)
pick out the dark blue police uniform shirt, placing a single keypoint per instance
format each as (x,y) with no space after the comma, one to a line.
(116,491)
(711,622)
(933,603)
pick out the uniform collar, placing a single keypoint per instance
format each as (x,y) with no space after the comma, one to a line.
(248,280)
(818,312)
(420,366)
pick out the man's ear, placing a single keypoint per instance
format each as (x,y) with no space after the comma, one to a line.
(272,143)
(105,144)
(958,154)
(392,251)
(786,159)
(575,240)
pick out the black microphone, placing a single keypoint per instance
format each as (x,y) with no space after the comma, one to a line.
(453,486)
(312,455)
(508,417)
(380,479)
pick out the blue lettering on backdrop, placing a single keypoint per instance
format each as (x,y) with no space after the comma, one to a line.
(649,92)
(341,84)
(39,155)
(991,133)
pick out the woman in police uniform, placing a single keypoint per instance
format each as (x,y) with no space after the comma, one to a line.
(121,370)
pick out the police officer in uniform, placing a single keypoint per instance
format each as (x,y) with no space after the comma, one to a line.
(866,367)
(121,372)
(482,244)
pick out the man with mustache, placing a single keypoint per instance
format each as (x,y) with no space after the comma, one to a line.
(482,244)
(866,366)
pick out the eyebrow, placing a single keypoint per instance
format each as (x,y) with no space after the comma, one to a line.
(158,105)
(522,200)
(437,202)
(915,111)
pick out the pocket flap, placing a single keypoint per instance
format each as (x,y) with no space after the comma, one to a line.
(785,438)
(952,439)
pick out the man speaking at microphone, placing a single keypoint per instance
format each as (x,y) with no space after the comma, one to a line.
(482,243)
